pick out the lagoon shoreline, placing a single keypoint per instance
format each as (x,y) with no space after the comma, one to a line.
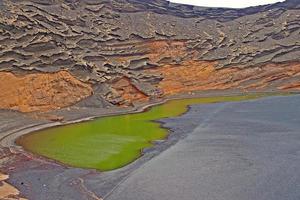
(8,137)
(8,141)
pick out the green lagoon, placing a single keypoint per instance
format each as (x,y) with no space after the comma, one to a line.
(109,143)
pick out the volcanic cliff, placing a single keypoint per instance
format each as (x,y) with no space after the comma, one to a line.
(55,53)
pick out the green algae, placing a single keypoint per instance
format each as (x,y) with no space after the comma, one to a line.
(109,143)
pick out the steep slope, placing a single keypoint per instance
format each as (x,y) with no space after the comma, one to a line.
(133,50)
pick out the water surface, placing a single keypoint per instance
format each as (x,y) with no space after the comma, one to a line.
(109,143)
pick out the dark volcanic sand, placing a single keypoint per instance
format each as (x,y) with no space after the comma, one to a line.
(238,151)
(244,150)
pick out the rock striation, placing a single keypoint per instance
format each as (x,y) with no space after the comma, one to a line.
(135,50)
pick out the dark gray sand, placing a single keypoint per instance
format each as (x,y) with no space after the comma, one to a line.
(237,151)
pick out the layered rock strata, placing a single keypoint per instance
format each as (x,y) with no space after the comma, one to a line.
(130,50)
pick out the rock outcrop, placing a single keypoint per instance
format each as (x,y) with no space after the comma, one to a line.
(134,50)
(202,76)
(41,91)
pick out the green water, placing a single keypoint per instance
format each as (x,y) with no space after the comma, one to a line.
(110,142)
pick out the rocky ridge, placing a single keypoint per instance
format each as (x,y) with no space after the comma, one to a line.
(135,50)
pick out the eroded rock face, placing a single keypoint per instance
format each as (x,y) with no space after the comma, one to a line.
(41,91)
(127,92)
(194,76)
(103,42)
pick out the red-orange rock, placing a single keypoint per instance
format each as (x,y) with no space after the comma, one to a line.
(203,76)
(41,91)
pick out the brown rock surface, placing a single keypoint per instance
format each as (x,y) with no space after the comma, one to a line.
(41,91)
(201,76)
(128,92)
(294,85)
